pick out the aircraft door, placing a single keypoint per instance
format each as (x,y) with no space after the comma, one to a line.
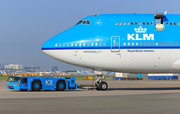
(115,44)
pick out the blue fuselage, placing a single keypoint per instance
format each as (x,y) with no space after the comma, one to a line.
(103,27)
(118,32)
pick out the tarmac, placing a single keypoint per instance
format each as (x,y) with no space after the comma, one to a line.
(122,97)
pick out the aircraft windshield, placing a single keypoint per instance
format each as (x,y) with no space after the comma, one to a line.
(13,79)
(87,22)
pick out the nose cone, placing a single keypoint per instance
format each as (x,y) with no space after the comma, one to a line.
(45,48)
(50,44)
(54,46)
(54,43)
(67,36)
(57,45)
(45,45)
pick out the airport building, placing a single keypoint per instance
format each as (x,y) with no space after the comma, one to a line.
(54,68)
(13,66)
(72,72)
(31,69)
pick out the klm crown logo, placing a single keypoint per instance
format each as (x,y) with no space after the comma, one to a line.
(138,36)
(140,30)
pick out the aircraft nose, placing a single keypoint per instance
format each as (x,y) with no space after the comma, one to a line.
(52,47)
(61,42)
(53,44)
(45,45)
(48,45)
(45,48)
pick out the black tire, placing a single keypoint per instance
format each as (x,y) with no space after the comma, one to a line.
(97,87)
(60,85)
(103,86)
(36,85)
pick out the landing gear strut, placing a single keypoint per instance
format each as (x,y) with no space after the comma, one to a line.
(99,84)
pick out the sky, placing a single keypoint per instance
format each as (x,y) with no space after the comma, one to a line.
(26,24)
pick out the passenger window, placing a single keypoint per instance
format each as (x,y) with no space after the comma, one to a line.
(166,23)
(84,44)
(135,23)
(136,43)
(160,43)
(87,44)
(56,44)
(132,43)
(124,23)
(141,43)
(143,23)
(144,43)
(170,23)
(128,43)
(95,44)
(116,23)
(164,43)
(178,23)
(131,23)
(174,23)
(79,44)
(127,23)
(67,44)
(71,44)
(147,23)
(75,44)
(156,43)
(91,44)
(120,23)
(148,43)
(124,43)
(100,44)
(168,43)
(176,43)
(172,43)
(152,43)
(59,44)
(63,44)
(151,23)
(104,44)
(139,23)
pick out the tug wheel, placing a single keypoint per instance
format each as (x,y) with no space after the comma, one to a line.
(36,85)
(60,85)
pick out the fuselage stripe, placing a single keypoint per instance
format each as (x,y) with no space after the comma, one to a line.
(66,48)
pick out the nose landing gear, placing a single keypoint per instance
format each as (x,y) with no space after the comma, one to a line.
(99,84)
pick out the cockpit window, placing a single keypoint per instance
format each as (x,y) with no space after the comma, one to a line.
(87,22)
(84,22)
(80,22)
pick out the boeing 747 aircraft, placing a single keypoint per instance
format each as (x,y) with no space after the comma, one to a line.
(134,43)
